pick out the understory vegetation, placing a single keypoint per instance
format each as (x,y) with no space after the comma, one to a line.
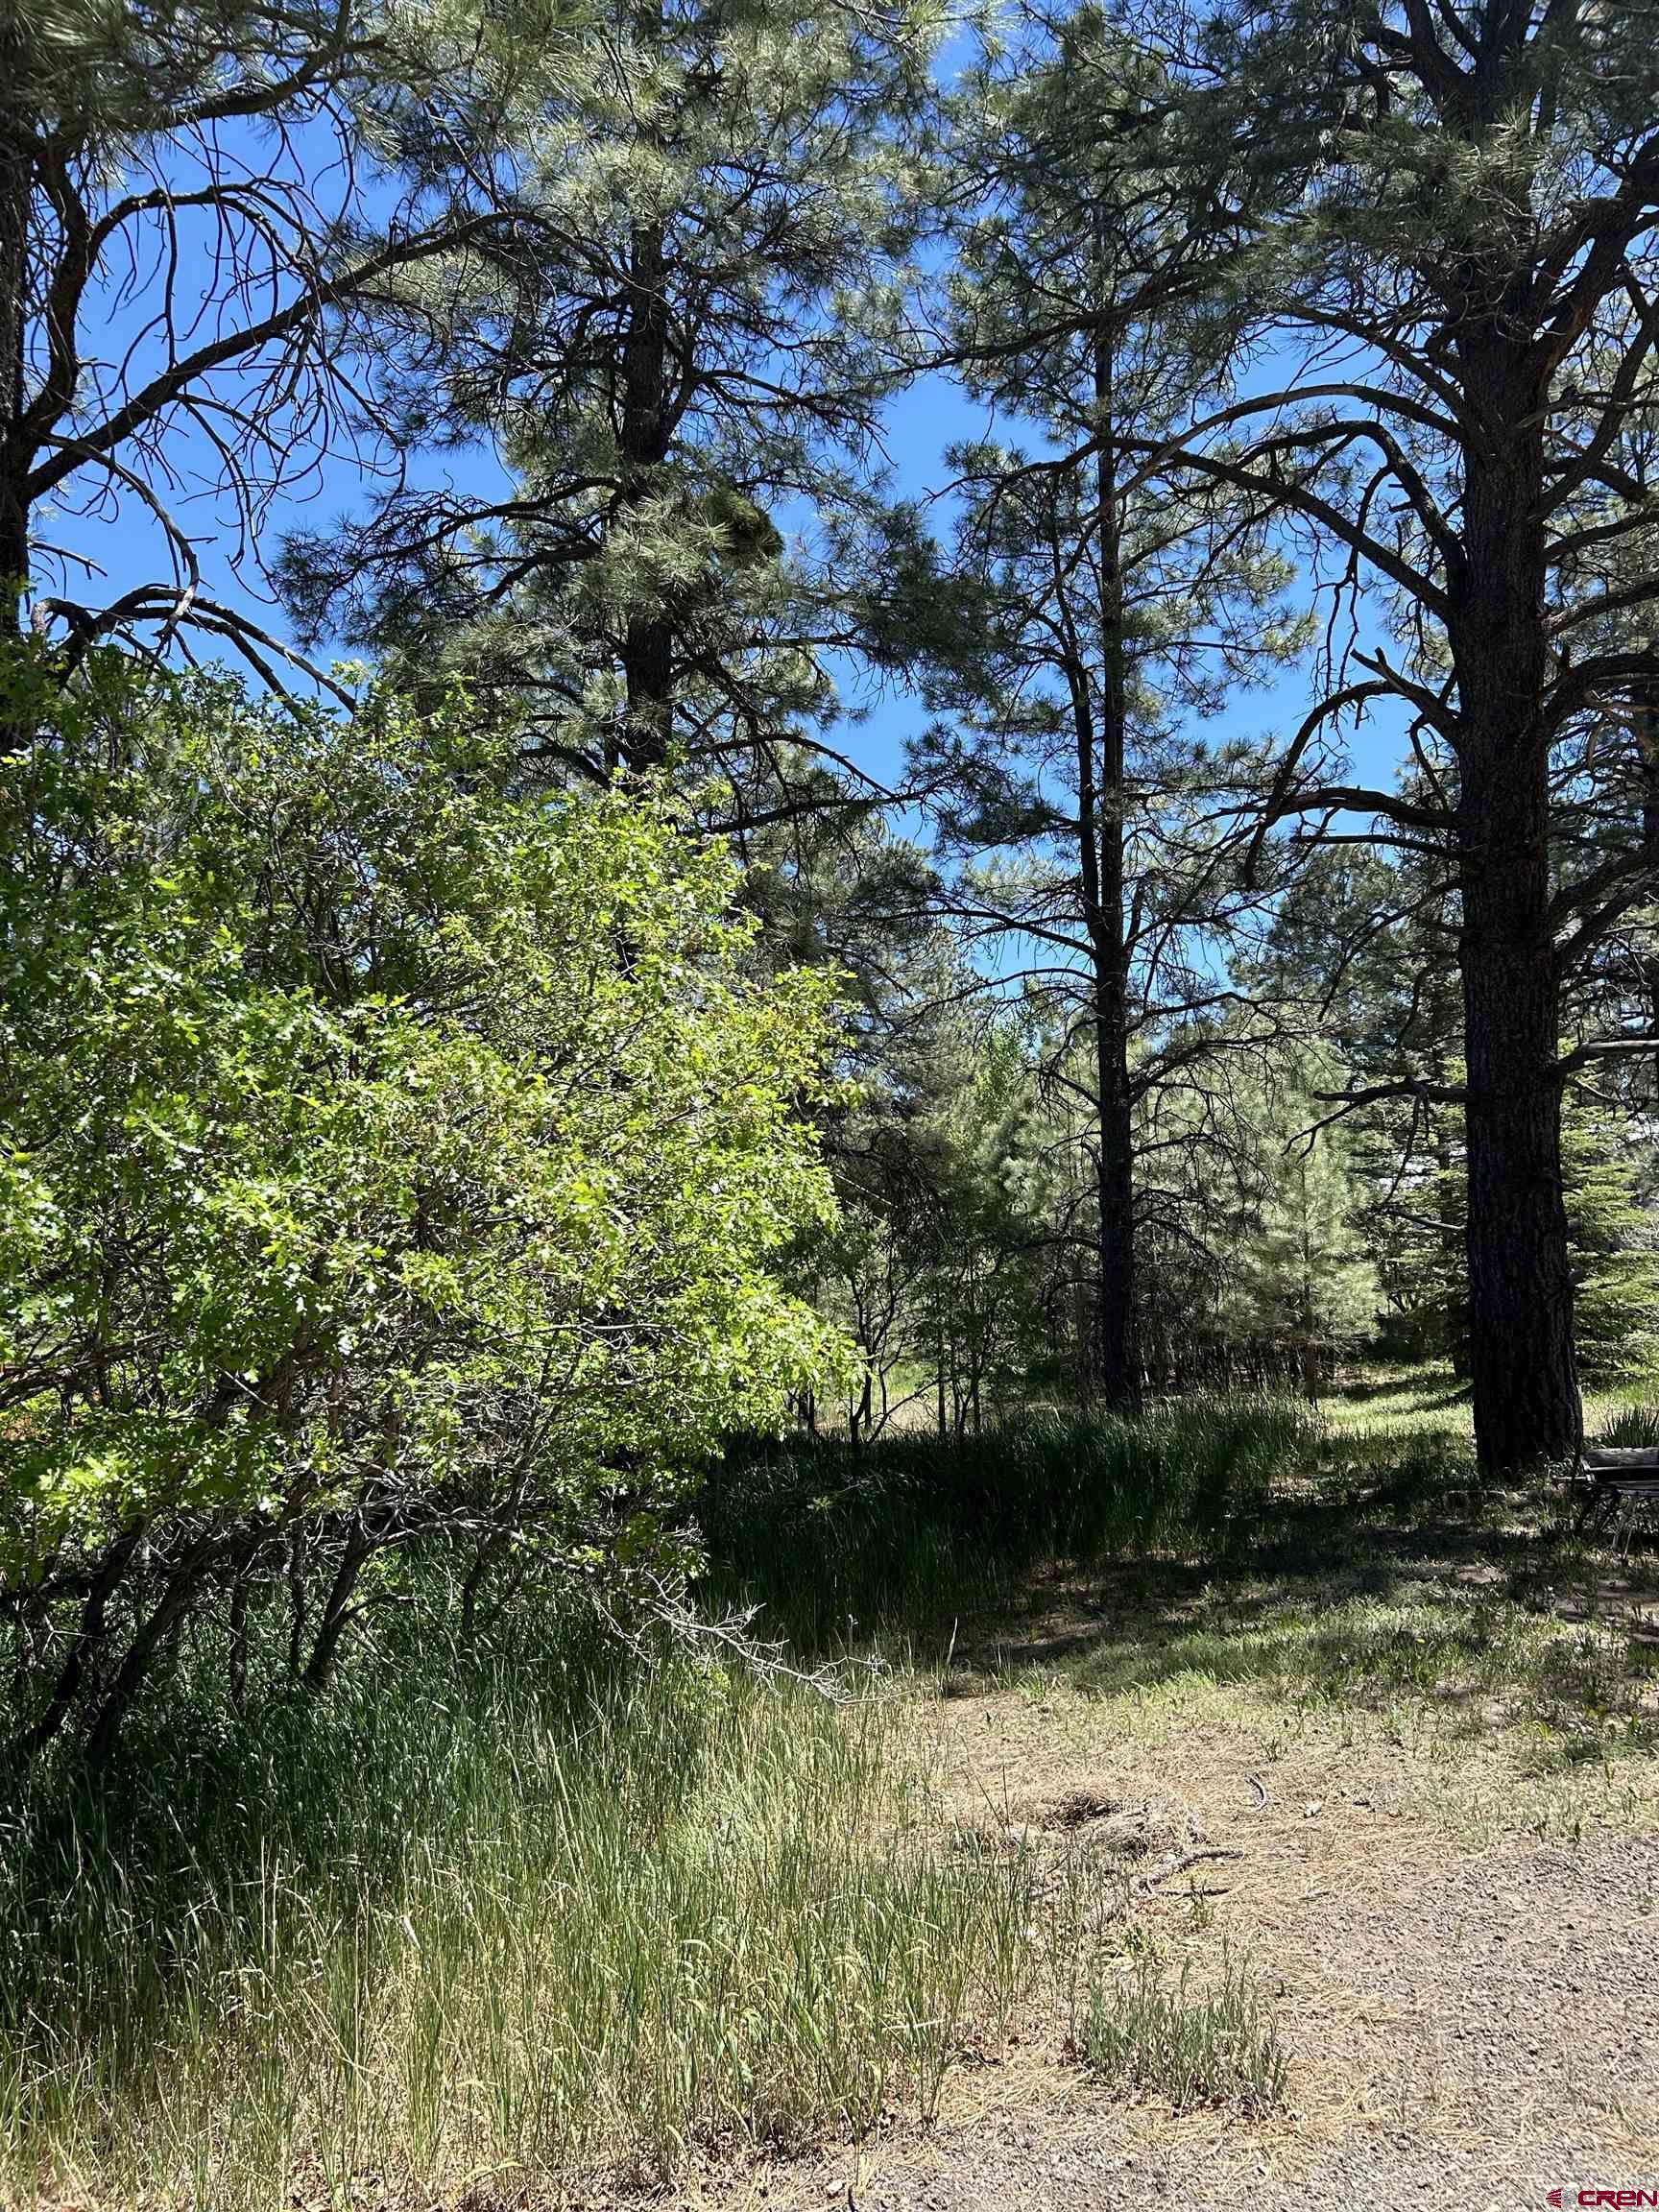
(838,1544)
(828,921)
(577,1907)
(566,1915)
(581,1907)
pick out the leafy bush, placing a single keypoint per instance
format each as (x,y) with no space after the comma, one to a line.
(385,1155)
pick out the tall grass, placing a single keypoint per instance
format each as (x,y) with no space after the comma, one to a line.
(839,1545)
(428,1939)
(485,1928)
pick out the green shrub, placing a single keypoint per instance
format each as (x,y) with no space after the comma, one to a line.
(385,1153)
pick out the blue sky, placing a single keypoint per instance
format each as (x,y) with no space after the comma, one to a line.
(921,423)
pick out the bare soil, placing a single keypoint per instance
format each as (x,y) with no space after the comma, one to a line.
(1478,2017)
(1452,1914)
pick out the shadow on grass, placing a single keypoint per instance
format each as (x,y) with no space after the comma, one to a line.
(1426,1391)
(1358,1572)
(1478,1620)
(900,1544)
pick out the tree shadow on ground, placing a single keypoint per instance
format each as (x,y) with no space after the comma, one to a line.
(1484,1617)
(1370,1390)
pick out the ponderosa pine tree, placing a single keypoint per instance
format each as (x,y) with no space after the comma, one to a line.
(1453,227)
(1108,613)
(181,255)
(680,353)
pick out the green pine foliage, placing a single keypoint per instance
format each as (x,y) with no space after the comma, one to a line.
(676,357)
(1303,1286)
(1615,1248)
(1615,1253)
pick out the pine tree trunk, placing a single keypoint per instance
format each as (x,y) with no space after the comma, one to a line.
(648,641)
(1119,1364)
(1647,743)
(1520,1355)
(1100,839)
(1522,1364)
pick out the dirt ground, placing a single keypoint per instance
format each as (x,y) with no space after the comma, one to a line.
(1462,2018)
(1448,1901)
(1476,2014)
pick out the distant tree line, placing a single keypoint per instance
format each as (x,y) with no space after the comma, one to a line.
(452,1138)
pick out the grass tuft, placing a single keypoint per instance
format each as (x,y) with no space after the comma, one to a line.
(1632,1426)
(1219,2047)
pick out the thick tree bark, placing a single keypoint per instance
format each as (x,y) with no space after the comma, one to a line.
(1522,1363)
(648,640)
(1101,850)
(1100,795)
(1648,742)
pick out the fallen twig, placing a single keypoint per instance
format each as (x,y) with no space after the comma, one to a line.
(1150,1882)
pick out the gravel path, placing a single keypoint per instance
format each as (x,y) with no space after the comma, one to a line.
(1481,2026)
(1452,1909)
(1464,2022)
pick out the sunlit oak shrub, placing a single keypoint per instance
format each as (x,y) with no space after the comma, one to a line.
(388,1155)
